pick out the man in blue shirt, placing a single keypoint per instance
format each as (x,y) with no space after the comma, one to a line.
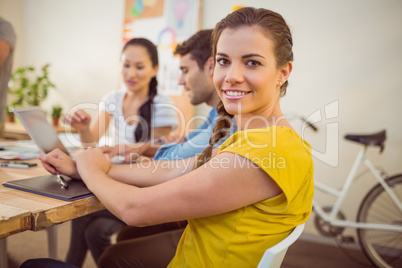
(93,231)
(197,66)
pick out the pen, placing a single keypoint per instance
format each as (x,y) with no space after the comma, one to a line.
(14,165)
(62,181)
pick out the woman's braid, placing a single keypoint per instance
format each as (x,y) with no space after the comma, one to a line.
(221,128)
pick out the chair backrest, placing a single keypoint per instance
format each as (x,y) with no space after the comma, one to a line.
(273,256)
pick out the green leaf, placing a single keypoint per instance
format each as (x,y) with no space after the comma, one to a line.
(29,85)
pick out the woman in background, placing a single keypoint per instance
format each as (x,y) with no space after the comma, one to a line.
(137,111)
(238,202)
(140,100)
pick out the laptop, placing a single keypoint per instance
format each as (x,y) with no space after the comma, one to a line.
(39,129)
(44,135)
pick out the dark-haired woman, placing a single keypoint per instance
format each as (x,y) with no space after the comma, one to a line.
(137,114)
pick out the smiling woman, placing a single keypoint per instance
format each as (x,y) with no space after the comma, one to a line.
(246,80)
(254,190)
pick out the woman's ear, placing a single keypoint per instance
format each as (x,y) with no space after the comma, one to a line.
(156,68)
(285,72)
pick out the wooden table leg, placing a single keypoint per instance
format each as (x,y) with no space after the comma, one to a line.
(52,241)
(3,253)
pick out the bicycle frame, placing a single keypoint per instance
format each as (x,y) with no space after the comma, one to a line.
(331,217)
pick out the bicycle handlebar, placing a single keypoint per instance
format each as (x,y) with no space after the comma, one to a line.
(309,124)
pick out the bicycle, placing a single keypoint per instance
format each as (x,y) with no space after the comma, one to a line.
(379,217)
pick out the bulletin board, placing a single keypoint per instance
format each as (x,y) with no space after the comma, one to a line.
(166,23)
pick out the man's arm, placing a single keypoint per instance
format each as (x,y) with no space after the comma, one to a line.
(184,150)
(4,51)
(194,144)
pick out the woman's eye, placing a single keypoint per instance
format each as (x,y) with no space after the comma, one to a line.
(221,61)
(126,65)
(253,63)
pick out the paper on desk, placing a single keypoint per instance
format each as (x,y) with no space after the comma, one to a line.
(18,150)
(8,155)
(27,149)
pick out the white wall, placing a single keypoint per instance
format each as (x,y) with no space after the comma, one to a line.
(345,51)
(80,39)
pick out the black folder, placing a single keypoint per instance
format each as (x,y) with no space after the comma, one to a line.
(49,186)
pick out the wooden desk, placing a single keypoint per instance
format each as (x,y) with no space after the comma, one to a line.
(16,131)
(44,211)
(13,220)
(21,211)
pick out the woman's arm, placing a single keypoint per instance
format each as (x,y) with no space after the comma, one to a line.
(147,148)
(133,151)
(159,132)
(149,173)
(89,135)
(221,185)
(142,174)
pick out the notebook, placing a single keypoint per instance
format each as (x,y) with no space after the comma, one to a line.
(43,134)
(48,185)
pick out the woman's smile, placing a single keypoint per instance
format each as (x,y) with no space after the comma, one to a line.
(131,83)
(231,94)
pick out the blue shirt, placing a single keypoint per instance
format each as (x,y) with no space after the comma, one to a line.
(195,142)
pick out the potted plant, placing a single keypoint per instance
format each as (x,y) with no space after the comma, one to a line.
(10,114)
(56,114)
(29,87)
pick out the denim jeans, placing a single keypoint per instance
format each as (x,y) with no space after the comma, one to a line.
(91,232)
(45,263)
(144,247)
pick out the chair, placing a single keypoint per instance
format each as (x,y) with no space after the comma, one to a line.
(274,255)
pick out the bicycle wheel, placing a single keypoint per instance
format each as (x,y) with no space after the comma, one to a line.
(383,248)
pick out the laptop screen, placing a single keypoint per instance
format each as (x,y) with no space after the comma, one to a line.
(39,129)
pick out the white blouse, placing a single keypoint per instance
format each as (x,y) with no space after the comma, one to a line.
(163,115)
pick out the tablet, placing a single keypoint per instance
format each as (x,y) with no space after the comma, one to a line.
(49,186)
(39,129)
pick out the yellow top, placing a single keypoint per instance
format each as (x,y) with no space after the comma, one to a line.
(239,238)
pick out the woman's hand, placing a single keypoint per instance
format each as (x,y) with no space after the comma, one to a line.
(112,150)
(79,119)
(131,152)
(90,162)
(57,162)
